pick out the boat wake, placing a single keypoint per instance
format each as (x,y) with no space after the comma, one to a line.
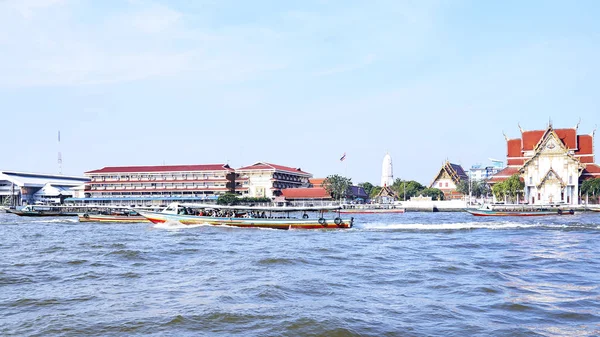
(176,225)
(469,225)
(54,221)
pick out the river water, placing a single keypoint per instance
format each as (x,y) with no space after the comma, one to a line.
(413,274)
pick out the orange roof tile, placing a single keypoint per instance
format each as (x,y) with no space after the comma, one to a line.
(531,138)
(514,147)
(305,193)
(586,144)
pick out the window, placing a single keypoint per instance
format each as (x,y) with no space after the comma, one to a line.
(440,184)
(530,180)
(539,196)
(570,180)
(446,184)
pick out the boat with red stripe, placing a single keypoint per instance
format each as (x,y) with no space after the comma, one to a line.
(251,216)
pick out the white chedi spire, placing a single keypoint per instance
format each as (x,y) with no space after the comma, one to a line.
(387,177)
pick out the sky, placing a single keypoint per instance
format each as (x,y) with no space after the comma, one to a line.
(294,83)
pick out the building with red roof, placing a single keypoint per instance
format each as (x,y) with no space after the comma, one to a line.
(157,185)
(263,179)
(551,162)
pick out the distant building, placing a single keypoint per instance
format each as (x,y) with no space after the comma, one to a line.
(269,180)
(157,185)
(552,163)
(18,188)
(483,173)
(448,178)
(385,196)
(387,175)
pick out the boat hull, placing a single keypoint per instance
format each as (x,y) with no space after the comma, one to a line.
(273,223)
(518,213)
(85,217)
(41,213)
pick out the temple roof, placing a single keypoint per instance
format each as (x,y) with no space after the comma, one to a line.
(386,191)
(455,172)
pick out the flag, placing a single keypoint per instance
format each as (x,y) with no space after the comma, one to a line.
(343,157)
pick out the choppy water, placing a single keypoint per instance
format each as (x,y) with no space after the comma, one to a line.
(413,274)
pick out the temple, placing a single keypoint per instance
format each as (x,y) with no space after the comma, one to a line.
(447,179)
(552,163)
(387,175)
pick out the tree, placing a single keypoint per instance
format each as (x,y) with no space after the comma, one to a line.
(591,187)
(514,187)
(337,186)
(411,187)
(227,199)
(510,188)
(367,186)
(478,188)
(434,193)
(374,191)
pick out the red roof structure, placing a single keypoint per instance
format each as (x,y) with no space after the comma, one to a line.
(317,182)
(162,168)
(305,193)
(506,173)
(519,150)
(591,171)
(272,167)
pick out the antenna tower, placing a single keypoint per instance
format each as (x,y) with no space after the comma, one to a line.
(59,155)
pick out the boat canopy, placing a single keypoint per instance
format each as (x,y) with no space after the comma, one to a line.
(262,208)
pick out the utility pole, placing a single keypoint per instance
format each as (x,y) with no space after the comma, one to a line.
(470,179)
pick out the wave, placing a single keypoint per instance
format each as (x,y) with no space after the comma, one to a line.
(468,225)
(61,220)
(177,225)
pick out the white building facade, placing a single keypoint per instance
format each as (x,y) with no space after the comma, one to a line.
(265,180)
(551,175)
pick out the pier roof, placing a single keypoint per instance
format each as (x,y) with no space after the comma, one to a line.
(161,168)
(27,179)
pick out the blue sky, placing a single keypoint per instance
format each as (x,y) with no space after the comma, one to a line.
(295,83)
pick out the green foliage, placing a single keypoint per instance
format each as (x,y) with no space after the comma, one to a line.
(233,199)
(337,186)
(227,199)
(368,187)
(434,193)
(374,191)
(413,188)
(591,188)
(510,188)
(478,188)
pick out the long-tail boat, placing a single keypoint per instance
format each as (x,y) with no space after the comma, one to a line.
(518,210)
(251,216)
